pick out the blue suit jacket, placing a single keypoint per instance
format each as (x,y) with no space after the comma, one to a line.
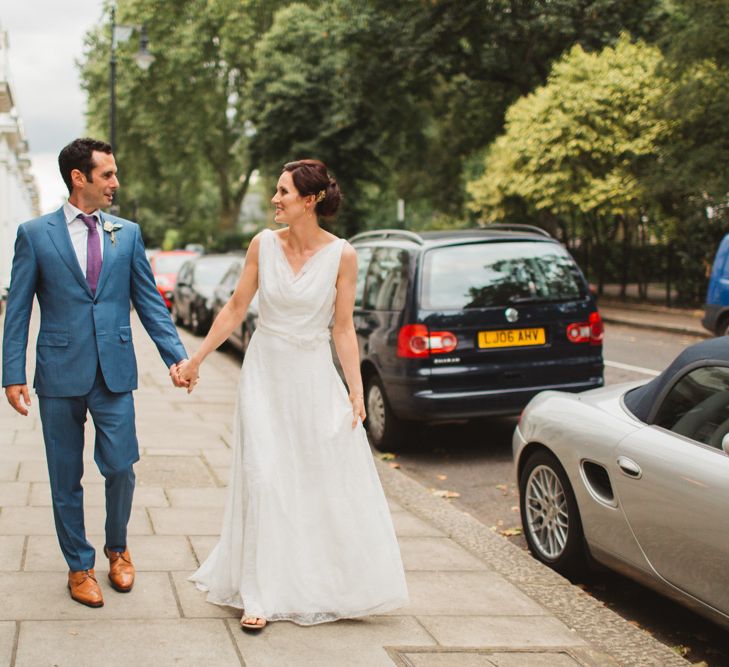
(78,330)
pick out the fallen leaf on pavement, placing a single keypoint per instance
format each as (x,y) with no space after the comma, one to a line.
(442,493)
(515,508)
(441,477)
(510,532)
(387,456)
(394,465)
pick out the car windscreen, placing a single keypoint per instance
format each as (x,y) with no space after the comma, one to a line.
(209,272)
(170,263)
(480,275)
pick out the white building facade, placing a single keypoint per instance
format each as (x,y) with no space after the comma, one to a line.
(19,200)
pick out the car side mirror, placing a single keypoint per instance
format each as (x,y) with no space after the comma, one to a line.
(725,443)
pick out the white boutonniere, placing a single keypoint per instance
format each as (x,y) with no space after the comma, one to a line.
(112,228)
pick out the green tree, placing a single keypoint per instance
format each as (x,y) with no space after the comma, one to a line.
(575,151)
(182,136)
(692,180)
(401,97)
(696,44)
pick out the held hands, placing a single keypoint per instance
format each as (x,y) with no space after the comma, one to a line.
(188,372)
(14,393)
(175,375)
(358,409)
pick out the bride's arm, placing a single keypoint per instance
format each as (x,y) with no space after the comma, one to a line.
(343,333)
(230,316)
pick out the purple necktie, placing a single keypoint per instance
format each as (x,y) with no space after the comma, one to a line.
(93,252)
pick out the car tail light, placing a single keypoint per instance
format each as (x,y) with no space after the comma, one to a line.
(415,342)
(591,331)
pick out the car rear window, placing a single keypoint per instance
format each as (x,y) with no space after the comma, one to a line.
(209,272)
(170,263)
(479,275)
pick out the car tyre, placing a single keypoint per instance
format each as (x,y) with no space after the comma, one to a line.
(386,431)
(550,516)
(245,338)
(175,315)
(723,328)
(197,325)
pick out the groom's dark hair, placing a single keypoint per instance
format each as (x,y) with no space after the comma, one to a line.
(78,155)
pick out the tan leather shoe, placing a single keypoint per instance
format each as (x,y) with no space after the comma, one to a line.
(85,589)
(121,570)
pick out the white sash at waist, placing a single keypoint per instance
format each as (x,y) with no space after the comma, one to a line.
(307,341)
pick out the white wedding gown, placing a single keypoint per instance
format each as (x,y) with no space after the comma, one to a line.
(307,534)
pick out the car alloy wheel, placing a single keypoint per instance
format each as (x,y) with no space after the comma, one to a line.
(547,514)
(550,516)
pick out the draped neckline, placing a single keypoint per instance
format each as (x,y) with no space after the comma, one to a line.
(296,274)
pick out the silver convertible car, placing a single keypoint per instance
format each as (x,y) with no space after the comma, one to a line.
(637,478)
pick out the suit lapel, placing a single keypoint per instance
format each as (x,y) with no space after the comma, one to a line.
(110,252)
(61,239)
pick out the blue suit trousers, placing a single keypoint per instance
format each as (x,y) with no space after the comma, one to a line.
(115,451)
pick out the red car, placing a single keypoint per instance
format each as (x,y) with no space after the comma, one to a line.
(165,265)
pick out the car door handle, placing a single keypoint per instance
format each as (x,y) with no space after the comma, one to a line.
(629,467)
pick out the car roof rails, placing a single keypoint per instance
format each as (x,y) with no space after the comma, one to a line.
(517,227)
(389,233)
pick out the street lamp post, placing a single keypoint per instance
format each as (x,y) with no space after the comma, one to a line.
(143,58)
(112,83)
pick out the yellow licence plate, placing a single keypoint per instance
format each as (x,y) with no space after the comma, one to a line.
(511,338)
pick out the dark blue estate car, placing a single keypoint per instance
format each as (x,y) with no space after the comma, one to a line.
(463,324)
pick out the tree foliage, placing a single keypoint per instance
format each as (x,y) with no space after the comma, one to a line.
(400,99)
(182,144)
(578,145)
(575,152)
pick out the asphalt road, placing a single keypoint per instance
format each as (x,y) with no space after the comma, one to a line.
(474,460)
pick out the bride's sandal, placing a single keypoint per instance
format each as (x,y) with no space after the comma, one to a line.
(252,623)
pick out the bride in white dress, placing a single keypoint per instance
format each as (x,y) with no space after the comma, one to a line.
(307,534)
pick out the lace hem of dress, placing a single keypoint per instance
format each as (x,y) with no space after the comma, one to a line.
(304,618)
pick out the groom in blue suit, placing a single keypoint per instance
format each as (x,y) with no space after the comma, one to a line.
(84,267)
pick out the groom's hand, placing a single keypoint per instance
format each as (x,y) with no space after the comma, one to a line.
(175,375)
(14,393)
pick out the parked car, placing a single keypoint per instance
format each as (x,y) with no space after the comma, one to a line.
(463,324)
(636,477)
(241,335)
(716,309)
(192,298)
(165,266)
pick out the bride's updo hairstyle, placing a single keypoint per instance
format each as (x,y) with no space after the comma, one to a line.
(311,178)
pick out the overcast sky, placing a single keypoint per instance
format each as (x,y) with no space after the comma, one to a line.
(46,40)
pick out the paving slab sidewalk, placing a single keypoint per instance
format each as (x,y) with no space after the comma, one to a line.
(684,321)
(476,599)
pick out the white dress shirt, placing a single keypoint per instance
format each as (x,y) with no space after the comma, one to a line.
(79,232)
